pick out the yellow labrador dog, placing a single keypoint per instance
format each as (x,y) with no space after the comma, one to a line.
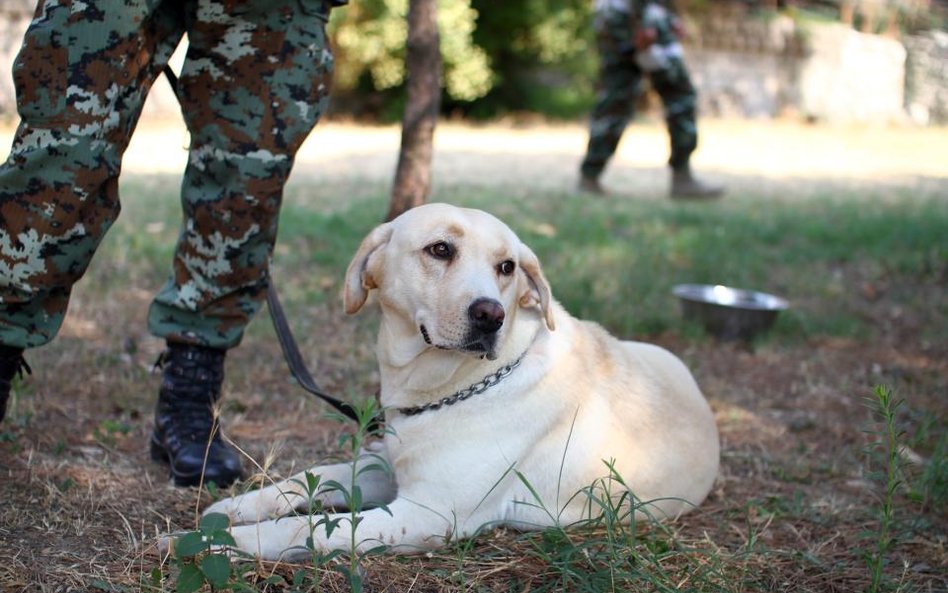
(502,406)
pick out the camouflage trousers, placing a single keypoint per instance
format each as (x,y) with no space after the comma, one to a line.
(621,84)
(254,83)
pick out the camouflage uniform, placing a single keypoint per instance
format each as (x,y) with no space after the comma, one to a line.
(254,83)
(622,68)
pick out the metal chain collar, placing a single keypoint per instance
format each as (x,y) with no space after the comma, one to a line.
(479,387)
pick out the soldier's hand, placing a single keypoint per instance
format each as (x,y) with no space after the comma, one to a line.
(645,37)
(678,29)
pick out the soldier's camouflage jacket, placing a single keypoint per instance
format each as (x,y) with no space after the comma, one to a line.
(254,83)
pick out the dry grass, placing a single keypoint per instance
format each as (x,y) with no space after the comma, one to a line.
(793,509)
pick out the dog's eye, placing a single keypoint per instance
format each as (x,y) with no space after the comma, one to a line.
(440,250)
(506,267)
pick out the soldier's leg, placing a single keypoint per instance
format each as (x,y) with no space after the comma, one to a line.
(673,85)
(253,86)
(81,77)
(255,81)
(619,86)
(679,99)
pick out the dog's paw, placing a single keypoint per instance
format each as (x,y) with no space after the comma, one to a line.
(241,510)
(251,507)
(225,506)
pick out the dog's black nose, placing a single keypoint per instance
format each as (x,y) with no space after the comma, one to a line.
(487,315)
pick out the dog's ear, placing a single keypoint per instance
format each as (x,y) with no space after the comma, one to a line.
(361,274)
(537,291)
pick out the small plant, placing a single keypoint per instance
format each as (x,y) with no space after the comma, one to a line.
(888,441)
(366,415)
(197,556)
(312,489)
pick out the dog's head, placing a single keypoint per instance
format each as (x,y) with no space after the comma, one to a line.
(454,277)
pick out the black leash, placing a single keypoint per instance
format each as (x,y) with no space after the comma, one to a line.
(291,352)
(294,360)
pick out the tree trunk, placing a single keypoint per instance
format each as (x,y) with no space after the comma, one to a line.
(422,103)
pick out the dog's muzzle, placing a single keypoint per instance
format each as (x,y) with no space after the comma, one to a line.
(485,318)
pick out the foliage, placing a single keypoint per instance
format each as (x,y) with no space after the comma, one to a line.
(369,40)
(543,55)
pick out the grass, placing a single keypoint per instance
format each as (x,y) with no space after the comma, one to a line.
(623,257)
(799,505)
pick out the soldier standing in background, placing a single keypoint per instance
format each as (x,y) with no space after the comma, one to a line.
(254,83)
(638,38)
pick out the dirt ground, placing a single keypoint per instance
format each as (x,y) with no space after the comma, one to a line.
(82,503)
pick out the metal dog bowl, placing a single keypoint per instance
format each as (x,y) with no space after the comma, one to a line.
(729,313)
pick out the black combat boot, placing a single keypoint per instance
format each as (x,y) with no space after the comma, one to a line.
(187,435)
(11,365)
(591,185)
(684,186)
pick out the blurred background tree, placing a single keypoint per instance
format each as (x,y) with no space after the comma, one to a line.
(516,55)
(369,42)
(542,54)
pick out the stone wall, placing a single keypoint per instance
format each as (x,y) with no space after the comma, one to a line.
(748,65)
(744,66)
(851,76)
(926,78)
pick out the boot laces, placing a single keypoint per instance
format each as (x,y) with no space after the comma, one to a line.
(191,385)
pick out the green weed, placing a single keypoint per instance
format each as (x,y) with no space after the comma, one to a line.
(885,448)
(620,546)
(319,559)
(366,413)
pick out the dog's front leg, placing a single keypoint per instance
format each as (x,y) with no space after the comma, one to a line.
(407,527)
(377,485)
